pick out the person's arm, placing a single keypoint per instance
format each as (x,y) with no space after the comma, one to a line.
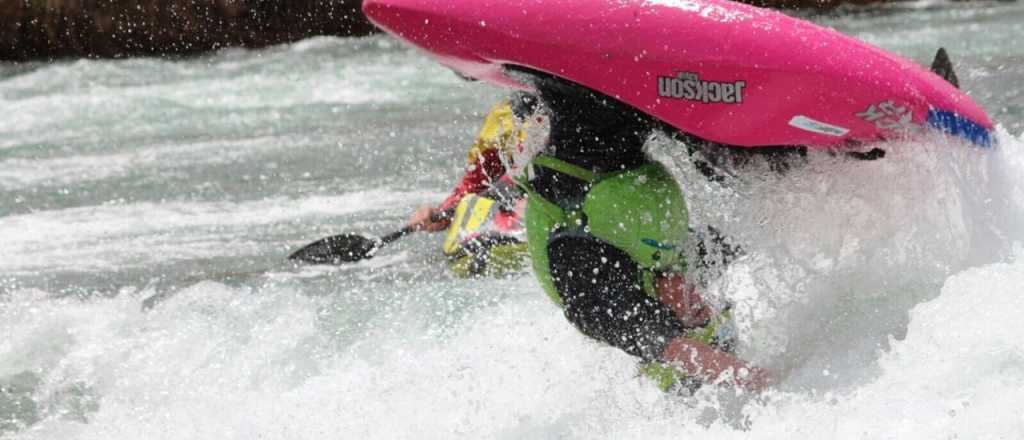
(485,168)
(694,357)
(432,219)
(482,171)
(705,362)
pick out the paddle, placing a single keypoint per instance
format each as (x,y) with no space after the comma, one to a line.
(348,248)
(345,248)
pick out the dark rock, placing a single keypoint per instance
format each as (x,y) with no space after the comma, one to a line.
(50,29)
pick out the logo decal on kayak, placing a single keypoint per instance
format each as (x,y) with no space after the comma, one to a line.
(688,86)
(804,123)
(888,116)
(657,244)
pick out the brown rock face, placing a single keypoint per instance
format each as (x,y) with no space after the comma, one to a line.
(48,29)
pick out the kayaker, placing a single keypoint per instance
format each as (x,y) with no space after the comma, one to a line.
(485,192)
(606,227)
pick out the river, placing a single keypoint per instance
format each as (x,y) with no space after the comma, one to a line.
(147,206)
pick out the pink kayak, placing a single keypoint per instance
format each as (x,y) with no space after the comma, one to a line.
(721,71)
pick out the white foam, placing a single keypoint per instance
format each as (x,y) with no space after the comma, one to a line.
(837,243)
(214,362)
(64,171)
(132,235)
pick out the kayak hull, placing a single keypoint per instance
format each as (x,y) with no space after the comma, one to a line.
(721,71)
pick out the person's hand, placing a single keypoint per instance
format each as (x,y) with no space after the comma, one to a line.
(683,299)
(429,219)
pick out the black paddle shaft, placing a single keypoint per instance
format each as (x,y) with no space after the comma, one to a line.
(348,248)
(396,235)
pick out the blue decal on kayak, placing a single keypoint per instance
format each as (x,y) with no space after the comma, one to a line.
(957,125)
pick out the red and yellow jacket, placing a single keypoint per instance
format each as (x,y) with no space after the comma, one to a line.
(500,137)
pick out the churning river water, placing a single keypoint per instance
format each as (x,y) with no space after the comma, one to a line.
(147,206)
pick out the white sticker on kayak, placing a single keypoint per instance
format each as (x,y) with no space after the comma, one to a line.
(805,123)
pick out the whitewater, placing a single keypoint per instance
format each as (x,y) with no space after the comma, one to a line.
(147,207)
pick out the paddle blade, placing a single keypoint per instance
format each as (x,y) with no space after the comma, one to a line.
(337,249)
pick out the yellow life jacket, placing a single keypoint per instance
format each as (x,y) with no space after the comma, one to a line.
(474,246)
